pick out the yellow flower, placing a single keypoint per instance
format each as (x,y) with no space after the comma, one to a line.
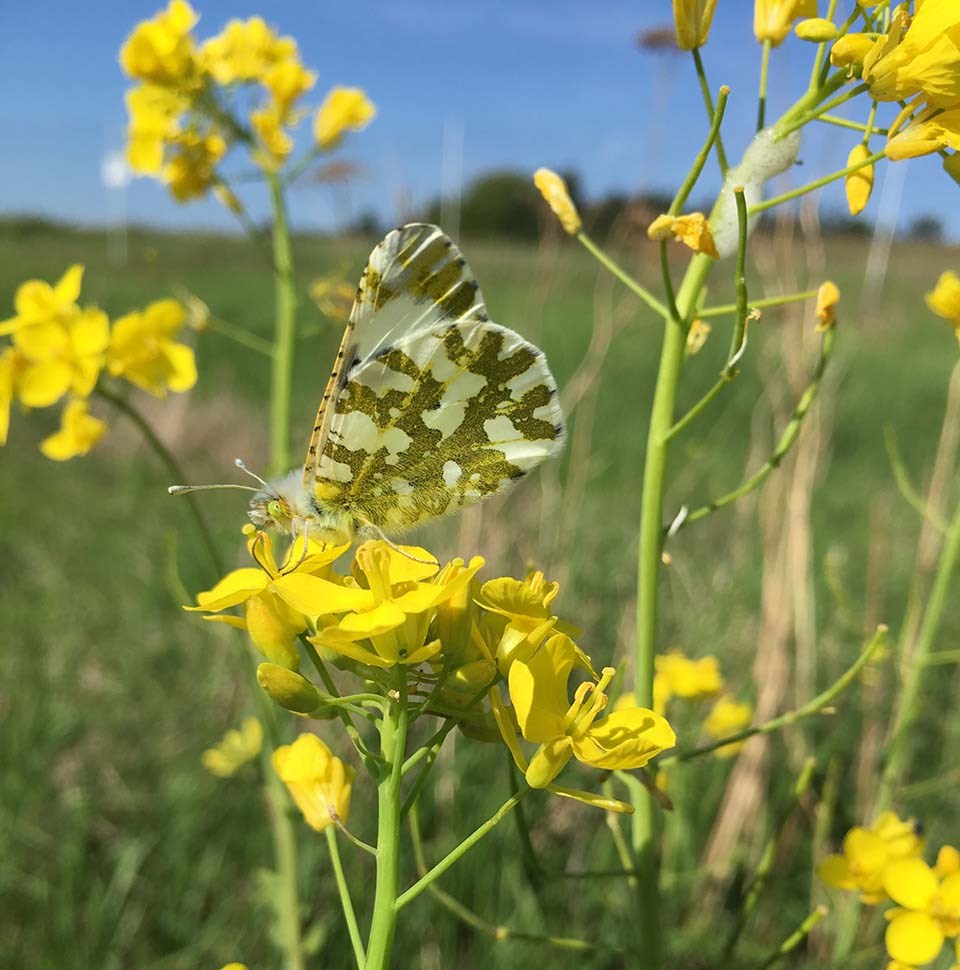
(944,299)
(161,50)
(62,355)
(692,19)
(679,676)
(929,130)
(692,230)
(190,171)
(37,302)
(144,352)
(318,782)
(343,109)
(859,184)
(287,82)
(245,50)
(79,432)
(275,143)
(772,19)
(555,193)
(234,966)
(235,749)
(272,598)
(626,739)
(153,113)
(828,296)
(727,717)
(334,296)
(918,56)
(930,910)
(394,601)
(816,29)
(867,853)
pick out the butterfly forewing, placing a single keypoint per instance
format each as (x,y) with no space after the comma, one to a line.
(432,406)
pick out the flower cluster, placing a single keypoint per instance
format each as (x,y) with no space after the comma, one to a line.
(181,120)
(915,61)
(885,863)
(456,639)
(59,349)
(235,749)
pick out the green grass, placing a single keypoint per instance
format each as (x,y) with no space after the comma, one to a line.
(117,850)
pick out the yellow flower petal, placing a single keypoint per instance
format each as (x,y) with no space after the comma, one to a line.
(555,193)
(234,588)
(834,870)
(692,19)
(343,109)
(911,883)
(913,938)
(859,184)
(828,296)
(40,385)
(538,689)
(551,758)
(273,627)
(627,739)
(319,783)
(79,432)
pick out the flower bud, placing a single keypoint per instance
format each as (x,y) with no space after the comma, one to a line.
(692,19)
(827,298)
(555,194)
(816,29)
(850,49)
(859,184)
(288,689)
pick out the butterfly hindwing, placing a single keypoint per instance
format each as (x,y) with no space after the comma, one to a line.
(435,407)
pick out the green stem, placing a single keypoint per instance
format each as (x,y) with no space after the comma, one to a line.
(738,337)
(769,301)
(811,106)
(796,937)
(691,180)
(818,59)
(425,881)
(708,102)
(814,706)
(648,561)
(624,277)
(908,709)
(764,73)
(173,466)
(393,739)
(281,384)
(345,901)
(786,442)
(239,335)
(847,123)
(698,408)
(813,186)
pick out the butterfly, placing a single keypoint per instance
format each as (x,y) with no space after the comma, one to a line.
(430,406)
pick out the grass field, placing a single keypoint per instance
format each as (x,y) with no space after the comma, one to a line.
(117,850)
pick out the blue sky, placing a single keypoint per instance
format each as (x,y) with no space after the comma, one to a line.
(527,83)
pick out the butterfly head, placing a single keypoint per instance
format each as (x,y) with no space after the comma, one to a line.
(276,505)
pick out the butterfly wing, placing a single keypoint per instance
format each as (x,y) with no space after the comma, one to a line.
(435,406)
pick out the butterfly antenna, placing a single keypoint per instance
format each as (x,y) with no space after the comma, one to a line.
(239,462)
(184,489)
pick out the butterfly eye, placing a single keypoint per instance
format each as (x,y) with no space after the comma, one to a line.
(275,509)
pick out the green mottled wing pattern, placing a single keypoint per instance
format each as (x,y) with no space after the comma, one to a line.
(436,407)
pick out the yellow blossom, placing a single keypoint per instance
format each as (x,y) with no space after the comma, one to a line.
(37,302)
(79,432)
(343,109)
(930,910)
(245,50)
(161,50)
(917,56)
(275,142)
(944,299)
(816,29)
(287,82)
(929,130)
(678,676)
(153,112)
(64,354)
(626,739)
(234,966)
(554,191)
(318,782)
(772,19)
(867,853)
(828,296)
(692,19)
(334,296)
(191,169)
(727,717)
(271,597)
(235,749)
(395,598)
(692,230)
(859,184)
(143,349)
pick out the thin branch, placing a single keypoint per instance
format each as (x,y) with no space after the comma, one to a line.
(683,193)
(622,275)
